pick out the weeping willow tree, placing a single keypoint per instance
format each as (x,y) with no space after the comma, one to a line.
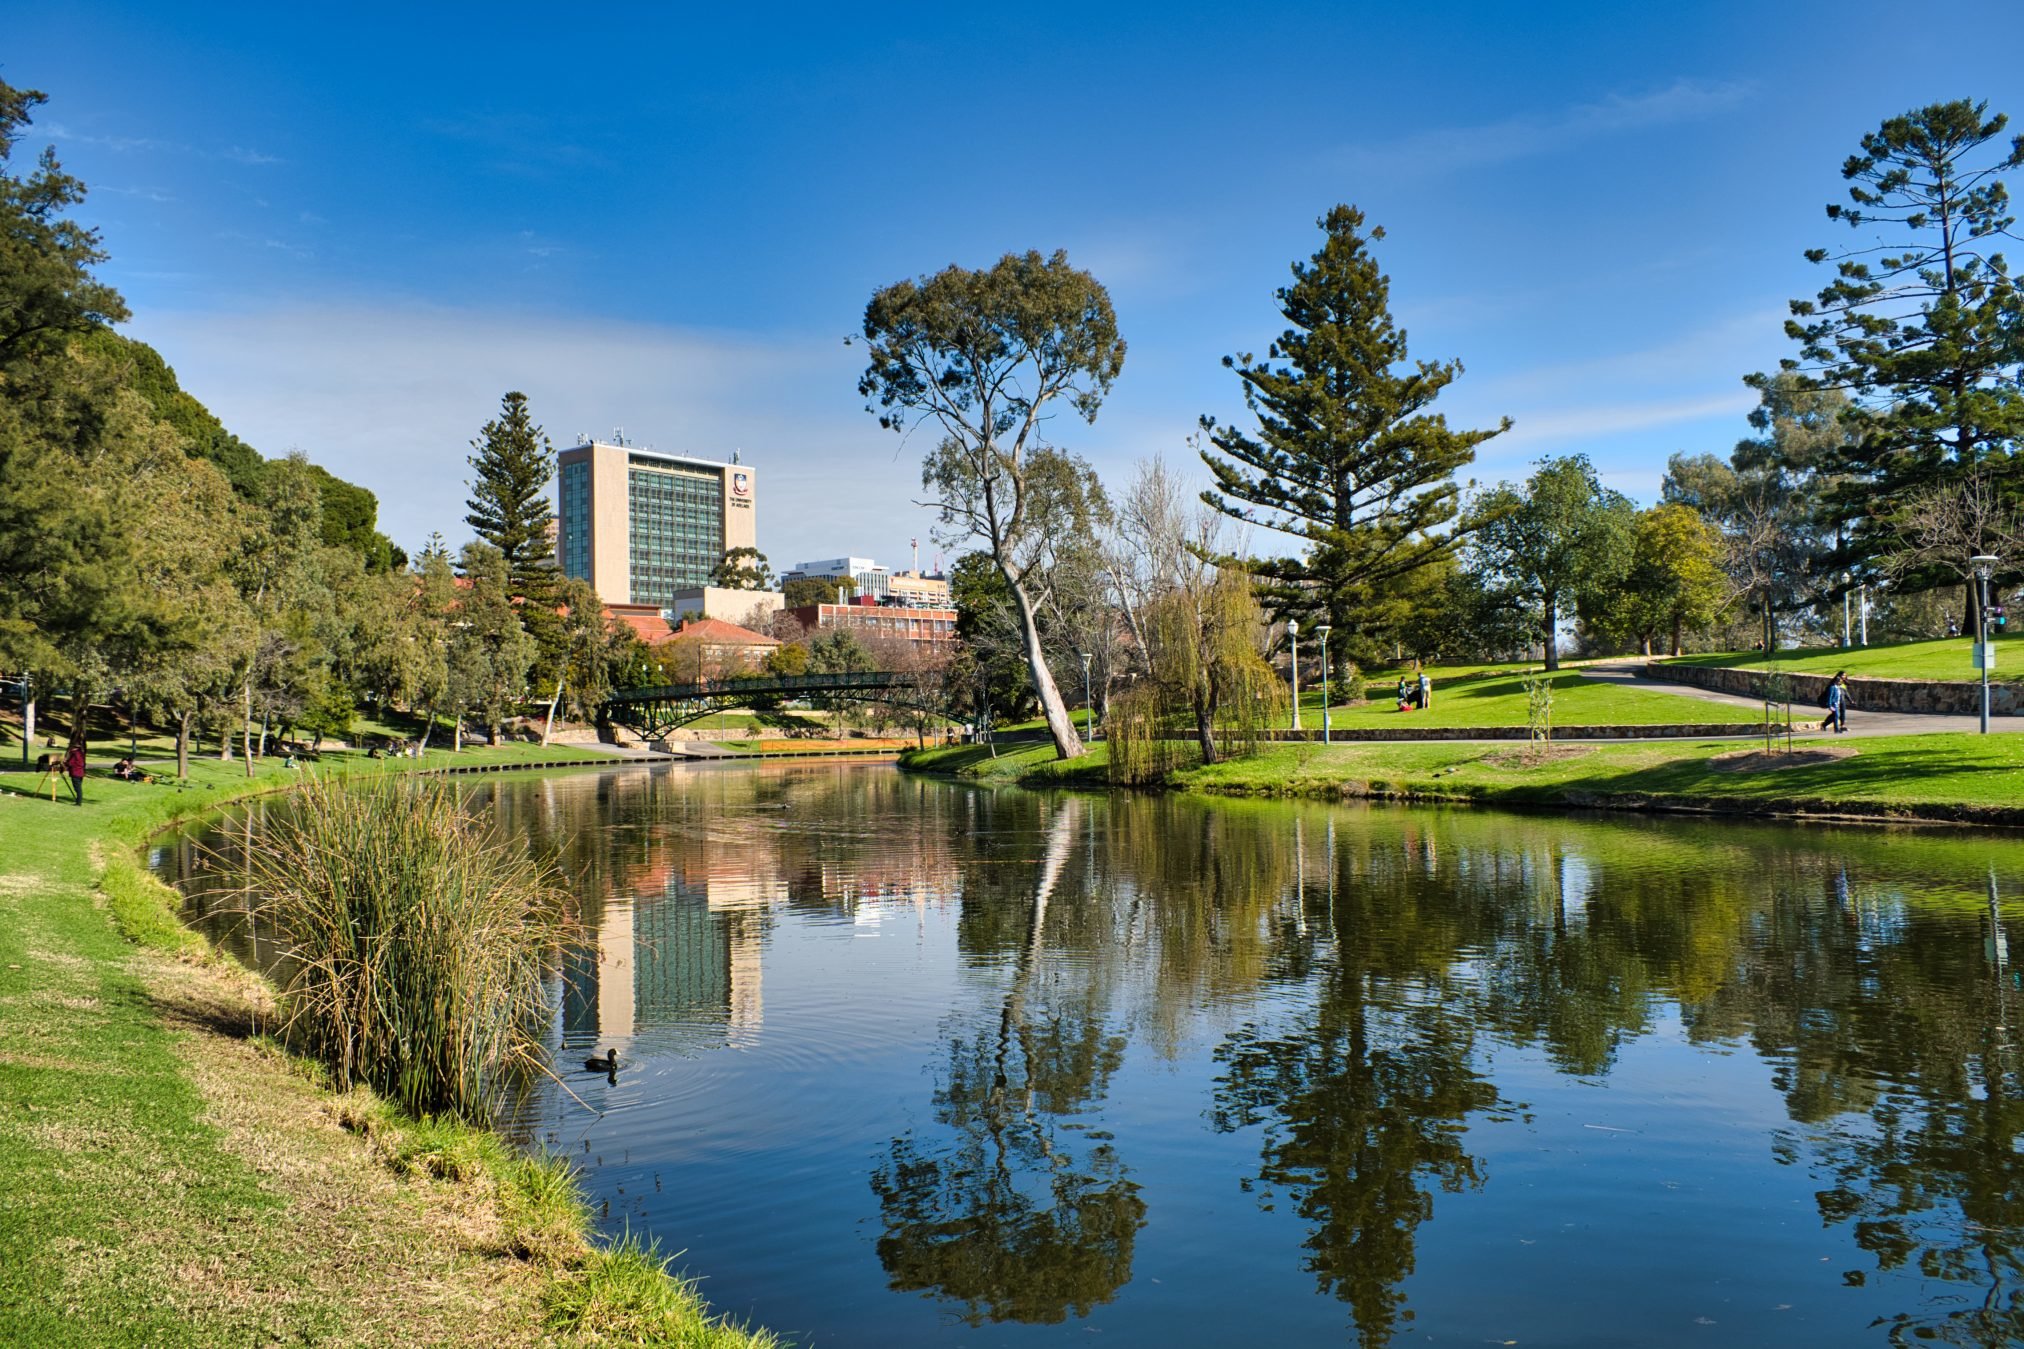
(1205,652)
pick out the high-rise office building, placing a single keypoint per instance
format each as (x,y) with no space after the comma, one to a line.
(640,525)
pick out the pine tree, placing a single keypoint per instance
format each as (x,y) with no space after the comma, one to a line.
(1347,457)
(509,500)
(1925,334)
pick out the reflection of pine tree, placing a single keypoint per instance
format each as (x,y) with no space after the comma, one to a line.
(1004,1214)
(1362,1111)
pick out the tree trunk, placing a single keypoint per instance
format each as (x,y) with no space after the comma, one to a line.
(1550,628)
(183,720)
(80,716)
(246,725)
(549,725)
(1205,727)
(1067,744)
(1676,638)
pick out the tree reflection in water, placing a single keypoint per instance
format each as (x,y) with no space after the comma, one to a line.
(1364,976)
(1364,1104)
(1009,1214)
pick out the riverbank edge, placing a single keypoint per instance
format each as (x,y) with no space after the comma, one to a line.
(591,1292)
(1033,767)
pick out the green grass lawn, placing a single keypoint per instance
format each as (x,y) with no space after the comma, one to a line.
(1946,658)
(1494,695)
(167,1179)
(1944,776)
(1499,699)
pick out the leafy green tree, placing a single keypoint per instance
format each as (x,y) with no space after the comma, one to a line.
(64,573)
(489,651)
(1926,333)
(804,591)
(986,356)
(988,627)
(1674,584)
(1562,542)
(743,569)
(1348,457)
(47,290)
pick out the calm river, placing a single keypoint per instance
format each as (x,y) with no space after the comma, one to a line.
(909,1063)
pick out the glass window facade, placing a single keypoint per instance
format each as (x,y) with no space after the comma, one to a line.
(675,528)
(575,518)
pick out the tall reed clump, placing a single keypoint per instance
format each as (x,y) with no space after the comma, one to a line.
(420,942)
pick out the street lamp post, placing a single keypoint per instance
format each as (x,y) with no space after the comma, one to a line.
(1293,642)
(1985,567)
(1844,610)
(1862,608)
(1088,708)
(1324,630)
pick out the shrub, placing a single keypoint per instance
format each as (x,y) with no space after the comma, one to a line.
(418,943)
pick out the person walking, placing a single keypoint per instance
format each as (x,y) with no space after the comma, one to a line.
(1837,704)
(73,764)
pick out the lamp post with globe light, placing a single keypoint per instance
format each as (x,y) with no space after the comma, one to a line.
(1985,567)
(1293,644)
(1324,631)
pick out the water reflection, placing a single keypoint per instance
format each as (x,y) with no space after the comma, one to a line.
(1001,1060)
(1004,1209)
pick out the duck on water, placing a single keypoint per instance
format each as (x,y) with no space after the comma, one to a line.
(606,1063)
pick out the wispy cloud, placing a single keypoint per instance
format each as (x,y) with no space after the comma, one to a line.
(389,396)
(536,246)
(59,131)
(65,134)
(143,193)
(1449,149)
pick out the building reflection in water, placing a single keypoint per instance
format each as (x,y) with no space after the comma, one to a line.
(682,874)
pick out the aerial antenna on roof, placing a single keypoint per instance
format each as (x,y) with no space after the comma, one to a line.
(618,435)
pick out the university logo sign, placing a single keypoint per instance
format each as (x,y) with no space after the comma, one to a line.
(741,484)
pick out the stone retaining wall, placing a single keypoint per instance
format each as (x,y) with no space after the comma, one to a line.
(1945,697)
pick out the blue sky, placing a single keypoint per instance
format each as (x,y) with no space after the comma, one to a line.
(351,229)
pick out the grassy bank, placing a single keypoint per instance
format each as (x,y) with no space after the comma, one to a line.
(1956,777)
(169,1177)
(1948,659)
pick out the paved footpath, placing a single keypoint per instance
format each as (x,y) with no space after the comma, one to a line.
(1806,717)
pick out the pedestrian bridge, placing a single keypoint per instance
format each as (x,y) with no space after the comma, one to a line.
(652,712)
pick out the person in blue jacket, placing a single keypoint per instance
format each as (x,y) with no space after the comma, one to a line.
(1837,704)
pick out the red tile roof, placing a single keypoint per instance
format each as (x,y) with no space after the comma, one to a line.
(723,634)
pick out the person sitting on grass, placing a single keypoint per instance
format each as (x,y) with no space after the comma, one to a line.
(124,770)
(1405,696)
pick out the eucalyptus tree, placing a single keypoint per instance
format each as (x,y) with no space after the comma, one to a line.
(986,357)
(1348,457)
